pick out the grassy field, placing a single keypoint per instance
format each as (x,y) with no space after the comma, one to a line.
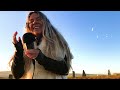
(96,77)
(5,75)
(86,77)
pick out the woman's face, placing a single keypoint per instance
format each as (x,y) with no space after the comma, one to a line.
(35,24)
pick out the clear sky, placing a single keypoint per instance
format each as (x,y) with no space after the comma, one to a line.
(93,37)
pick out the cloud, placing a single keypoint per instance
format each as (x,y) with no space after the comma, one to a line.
(106,35)
(97,36)
(92,29)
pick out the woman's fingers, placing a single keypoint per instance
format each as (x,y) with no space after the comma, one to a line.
(14,37)
(19,39)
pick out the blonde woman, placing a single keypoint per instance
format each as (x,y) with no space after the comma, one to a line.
(49,59)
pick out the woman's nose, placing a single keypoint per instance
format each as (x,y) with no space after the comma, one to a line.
(34,21)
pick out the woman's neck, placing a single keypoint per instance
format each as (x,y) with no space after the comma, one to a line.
(38,39)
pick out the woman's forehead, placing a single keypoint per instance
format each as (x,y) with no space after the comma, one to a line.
(34,15)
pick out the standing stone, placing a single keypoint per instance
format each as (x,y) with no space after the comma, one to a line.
(83,74)
(73,74)
(109,73)
(10,76)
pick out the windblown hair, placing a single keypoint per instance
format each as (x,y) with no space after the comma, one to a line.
(53,39)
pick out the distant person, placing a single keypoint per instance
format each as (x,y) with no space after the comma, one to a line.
(49,56)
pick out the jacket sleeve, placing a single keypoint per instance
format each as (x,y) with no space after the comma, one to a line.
(55,66)
(18,63)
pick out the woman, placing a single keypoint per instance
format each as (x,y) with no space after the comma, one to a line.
(49,59)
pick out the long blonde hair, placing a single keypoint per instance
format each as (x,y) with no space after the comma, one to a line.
(53,38)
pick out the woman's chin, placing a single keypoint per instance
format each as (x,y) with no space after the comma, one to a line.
(37,33)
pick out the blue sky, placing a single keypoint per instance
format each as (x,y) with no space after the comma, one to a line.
(93,37)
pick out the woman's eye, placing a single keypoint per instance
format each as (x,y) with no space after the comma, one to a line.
(31,21)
